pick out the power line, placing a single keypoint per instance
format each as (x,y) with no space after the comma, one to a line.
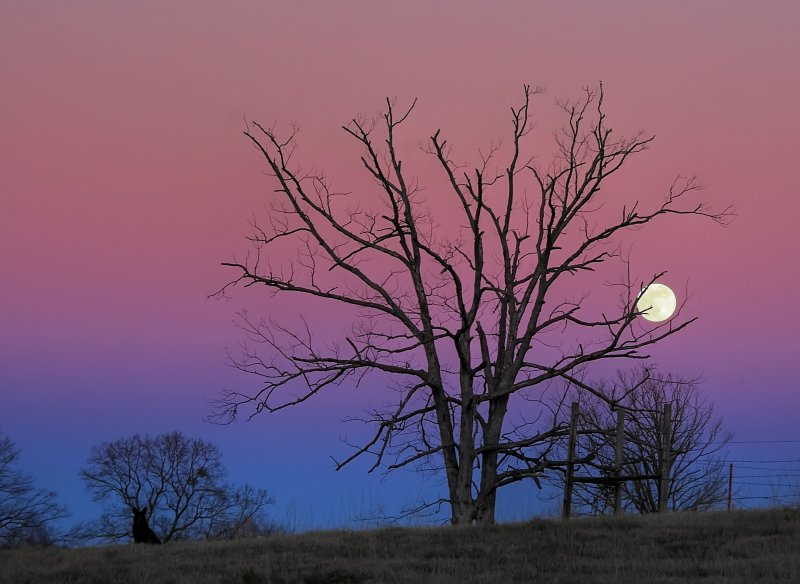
(794,441)
(766,468)
(771,497)
(766,476)
(766,461)
(777,486)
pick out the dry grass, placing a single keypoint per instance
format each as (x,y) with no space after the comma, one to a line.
(744,546)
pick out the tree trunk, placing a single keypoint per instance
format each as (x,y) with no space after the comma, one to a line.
(485,511)
(487,496)
(462,506)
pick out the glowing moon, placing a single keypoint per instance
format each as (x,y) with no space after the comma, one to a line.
(656,303)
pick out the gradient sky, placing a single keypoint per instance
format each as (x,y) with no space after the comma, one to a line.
(125,181)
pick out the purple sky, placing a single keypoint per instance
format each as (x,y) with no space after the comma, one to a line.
(125,181)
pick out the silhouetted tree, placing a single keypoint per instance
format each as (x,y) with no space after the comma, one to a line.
(181,481)
(468,325)
(697,472)
(26,511)
(246,517)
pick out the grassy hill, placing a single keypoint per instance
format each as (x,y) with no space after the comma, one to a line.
(743,546)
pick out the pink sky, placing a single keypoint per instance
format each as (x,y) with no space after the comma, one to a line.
(125,180)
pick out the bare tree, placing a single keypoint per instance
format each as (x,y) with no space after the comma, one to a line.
(697,470)
(246,517)
(466,325)
(181,481)
(26,511)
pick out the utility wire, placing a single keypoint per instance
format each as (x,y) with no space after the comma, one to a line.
(765,476)
(771,497)
(777,486)
(766,468)
(794,441)
(766,461)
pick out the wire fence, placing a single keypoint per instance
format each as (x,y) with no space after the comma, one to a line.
(764,481)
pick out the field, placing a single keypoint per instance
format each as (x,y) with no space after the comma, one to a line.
(743,546)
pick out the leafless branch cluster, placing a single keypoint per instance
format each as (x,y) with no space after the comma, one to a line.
(181,481)
(462,322)
(697,468)
(26,511)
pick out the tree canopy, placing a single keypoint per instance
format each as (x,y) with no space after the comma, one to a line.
(182,483)
(27,512)
(470,327)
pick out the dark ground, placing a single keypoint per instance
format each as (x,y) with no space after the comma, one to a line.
(740,547)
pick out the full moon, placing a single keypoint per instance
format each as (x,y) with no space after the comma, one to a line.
(656,303)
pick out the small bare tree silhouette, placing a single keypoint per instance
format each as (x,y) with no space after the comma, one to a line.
(177,484)
(26,511)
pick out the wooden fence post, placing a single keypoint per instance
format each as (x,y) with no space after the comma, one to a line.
(730,487)
(666,447)
(620,444)
(573,434)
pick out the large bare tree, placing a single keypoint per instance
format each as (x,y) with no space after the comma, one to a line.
(465,324)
